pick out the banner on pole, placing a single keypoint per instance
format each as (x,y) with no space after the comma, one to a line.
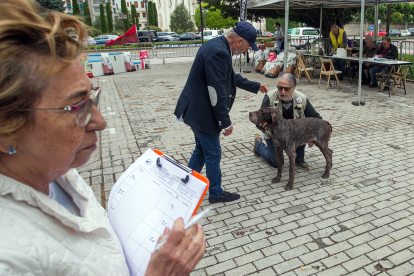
(243,10)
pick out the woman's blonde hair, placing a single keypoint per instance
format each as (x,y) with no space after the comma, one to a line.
(30,43)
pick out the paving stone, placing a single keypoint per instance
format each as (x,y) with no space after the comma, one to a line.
(287,266)
(370,190)
(401,257)
(335,259)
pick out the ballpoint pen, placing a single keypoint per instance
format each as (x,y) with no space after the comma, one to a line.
(189,224)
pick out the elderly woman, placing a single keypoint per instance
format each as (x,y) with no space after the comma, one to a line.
(50,221)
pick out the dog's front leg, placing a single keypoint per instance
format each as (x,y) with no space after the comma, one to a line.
(279,158)
(292,157)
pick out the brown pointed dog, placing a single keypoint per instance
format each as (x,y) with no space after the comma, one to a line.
(288,135)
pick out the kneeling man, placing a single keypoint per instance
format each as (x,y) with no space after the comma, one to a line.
(292,105)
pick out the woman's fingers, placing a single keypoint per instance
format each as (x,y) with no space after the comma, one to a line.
(196,249)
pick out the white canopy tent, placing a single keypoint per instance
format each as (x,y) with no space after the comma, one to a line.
(321,4)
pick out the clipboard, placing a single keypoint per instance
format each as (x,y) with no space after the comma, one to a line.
(149,196)
(189,172)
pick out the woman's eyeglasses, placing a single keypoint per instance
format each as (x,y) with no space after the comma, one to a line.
(83,110)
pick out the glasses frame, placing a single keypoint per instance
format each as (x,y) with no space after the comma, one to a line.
(78,108)
(280,88)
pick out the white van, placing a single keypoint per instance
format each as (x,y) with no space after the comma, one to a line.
(211,34)
(301,37)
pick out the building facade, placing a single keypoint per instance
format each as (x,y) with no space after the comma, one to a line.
(166,7)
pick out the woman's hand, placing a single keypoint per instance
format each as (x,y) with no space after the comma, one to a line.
(180,253)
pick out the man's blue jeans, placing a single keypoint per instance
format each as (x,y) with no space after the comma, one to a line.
(376,69)
(208,151)
(269,153)
(339,64)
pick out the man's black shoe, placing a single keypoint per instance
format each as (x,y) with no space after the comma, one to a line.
(225,197)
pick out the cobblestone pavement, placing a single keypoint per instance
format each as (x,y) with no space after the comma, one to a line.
(357,222)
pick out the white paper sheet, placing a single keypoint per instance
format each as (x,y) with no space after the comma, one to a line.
(144,201)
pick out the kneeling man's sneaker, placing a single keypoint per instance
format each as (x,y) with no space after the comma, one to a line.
(225,197)
(257,138)
(302,165)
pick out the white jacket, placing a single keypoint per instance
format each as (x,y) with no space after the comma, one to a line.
(38,236)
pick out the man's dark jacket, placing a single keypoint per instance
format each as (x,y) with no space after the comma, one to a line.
(209,93)
(391,52)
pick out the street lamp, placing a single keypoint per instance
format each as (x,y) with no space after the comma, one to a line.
(205,10)
(146,10)
(201,18)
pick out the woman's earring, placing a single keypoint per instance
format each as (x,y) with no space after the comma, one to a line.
(11,150)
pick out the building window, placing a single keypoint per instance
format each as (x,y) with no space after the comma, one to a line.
(114,10)
(142,5)
(136,4)
(144,14)
(117,6)
(128,4)
(97,2)
(96,10)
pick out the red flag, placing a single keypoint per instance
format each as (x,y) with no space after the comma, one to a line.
(129,37)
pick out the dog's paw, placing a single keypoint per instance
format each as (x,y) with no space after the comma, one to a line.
(276,179)
(325,175)
(288,187)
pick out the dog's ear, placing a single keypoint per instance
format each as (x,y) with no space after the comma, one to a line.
(275,121)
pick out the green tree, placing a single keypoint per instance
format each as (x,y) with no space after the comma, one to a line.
(87,14)
(97,23)
(214,18)
(102,17)
(155,28)
(118,25)
(56,5)
(109,18)
(75,7)
(270,24)
(150,14)
(134,15)
(124,10)
(181,19)
(155,15)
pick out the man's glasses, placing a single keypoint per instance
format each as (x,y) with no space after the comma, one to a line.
(83,110)
(287,89)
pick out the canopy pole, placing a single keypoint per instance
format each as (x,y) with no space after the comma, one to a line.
(361,37)
(376,27)
(285,34)
(320,26)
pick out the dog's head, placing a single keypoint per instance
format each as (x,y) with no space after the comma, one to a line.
(264,116)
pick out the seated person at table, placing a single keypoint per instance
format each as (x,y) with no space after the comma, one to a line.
(338,40)
(387,51)
(292,105)
(370,50)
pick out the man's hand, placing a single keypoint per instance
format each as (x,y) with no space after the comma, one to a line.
(354,54)
(263,88)
(381,56)
(228,131)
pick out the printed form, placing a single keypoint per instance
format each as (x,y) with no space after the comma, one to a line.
(145,200)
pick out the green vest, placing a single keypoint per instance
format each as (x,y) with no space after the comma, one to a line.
(299,103)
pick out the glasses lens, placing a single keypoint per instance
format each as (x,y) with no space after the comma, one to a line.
(97,96)
(83,114)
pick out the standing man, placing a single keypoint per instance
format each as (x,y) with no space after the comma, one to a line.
(387,51)
(292,105)
(280,37)
(207,98)
(370,50)
(338,40)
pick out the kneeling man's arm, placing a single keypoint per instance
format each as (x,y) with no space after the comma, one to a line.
(310,111)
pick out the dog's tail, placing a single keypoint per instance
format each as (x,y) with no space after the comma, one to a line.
(330,127)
